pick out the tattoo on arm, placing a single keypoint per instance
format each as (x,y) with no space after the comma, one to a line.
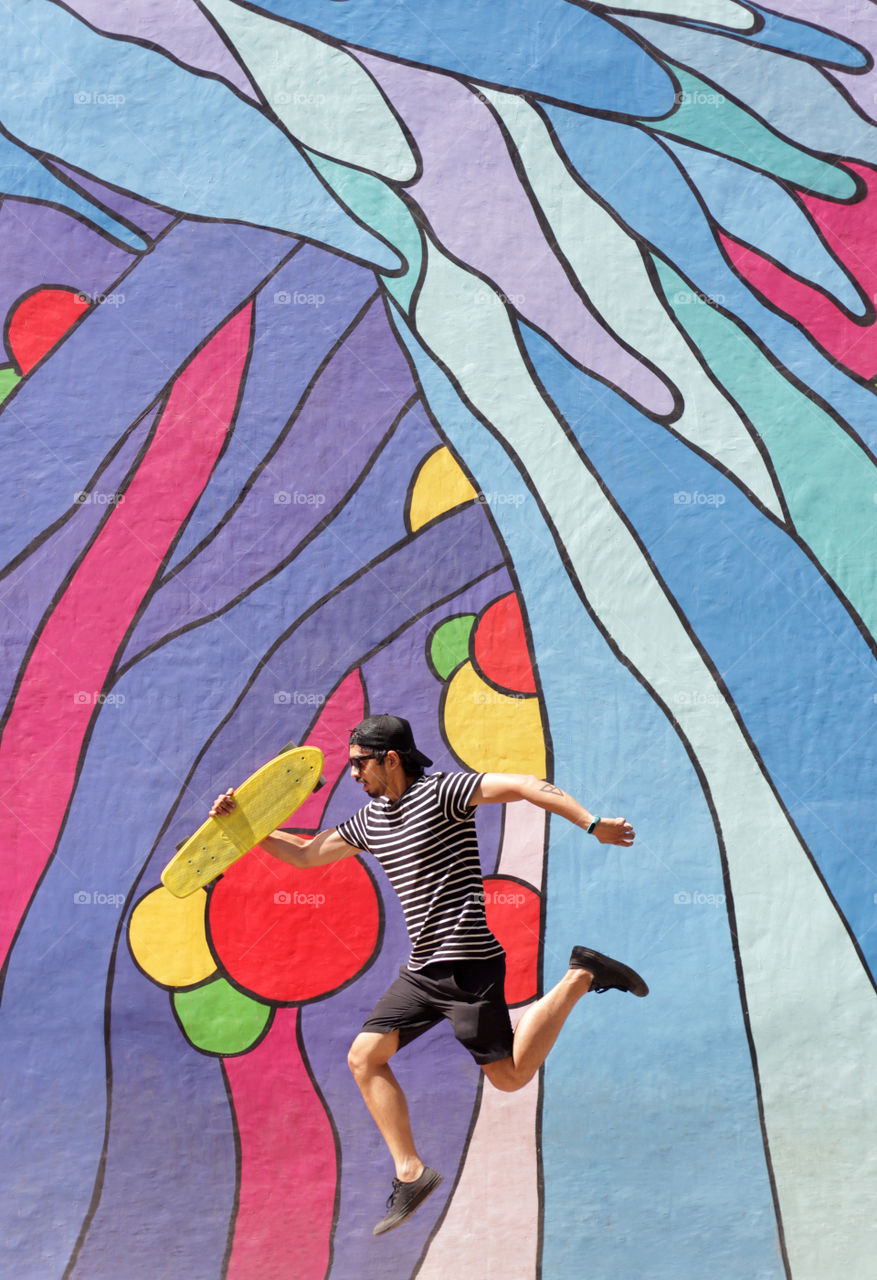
(550,788)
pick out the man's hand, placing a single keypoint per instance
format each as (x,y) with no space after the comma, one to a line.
(223,804)
(614,831)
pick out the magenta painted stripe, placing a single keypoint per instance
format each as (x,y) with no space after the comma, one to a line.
(288,1162)
(67,669)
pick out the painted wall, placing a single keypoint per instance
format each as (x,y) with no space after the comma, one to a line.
(507,365)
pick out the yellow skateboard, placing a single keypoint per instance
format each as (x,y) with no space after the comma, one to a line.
(262,803)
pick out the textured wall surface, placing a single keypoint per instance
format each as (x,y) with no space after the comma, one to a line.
(506,364)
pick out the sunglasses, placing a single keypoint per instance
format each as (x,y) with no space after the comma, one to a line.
(356,762)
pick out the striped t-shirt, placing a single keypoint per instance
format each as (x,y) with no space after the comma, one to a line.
(427,844)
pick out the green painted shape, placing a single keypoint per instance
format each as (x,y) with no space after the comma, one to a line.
(705,116)
(829,482)
(217,1018)
(375,203)
(449,646)
(9,380)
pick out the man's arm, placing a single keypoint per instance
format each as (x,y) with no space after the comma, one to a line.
(502,788)
(298,851)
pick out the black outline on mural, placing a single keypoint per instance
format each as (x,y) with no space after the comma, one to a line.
(320,36)
(264,461)
(123,37)
(577,285)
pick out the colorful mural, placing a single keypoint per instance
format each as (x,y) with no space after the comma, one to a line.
(508,366)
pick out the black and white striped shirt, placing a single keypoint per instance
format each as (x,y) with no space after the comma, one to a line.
(427,844)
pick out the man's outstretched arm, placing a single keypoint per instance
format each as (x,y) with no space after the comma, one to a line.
(502,788)
(298,851)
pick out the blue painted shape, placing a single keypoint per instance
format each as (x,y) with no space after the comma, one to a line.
(104,107)
(695,1199)
(21,174)
(659,206)
(554,49)
(63,420)
(758,211)
(300,314)
(727,561)
(794,36)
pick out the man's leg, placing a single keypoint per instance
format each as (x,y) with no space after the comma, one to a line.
(368,1058)
(540,1026)
(537,1031)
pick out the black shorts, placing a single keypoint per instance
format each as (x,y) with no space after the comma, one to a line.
(469,993)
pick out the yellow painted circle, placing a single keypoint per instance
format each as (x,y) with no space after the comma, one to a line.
(490,731)
(168,940)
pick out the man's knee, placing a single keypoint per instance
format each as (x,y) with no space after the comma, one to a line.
(505,1076)
(370,1050)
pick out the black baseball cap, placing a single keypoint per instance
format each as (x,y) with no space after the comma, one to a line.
(388,733)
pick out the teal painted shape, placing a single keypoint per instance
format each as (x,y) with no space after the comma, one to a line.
(758,211)
(706,117)
(133,118)
(789,94)
(378,205)
(691,1199)
(828,481)
(21,174)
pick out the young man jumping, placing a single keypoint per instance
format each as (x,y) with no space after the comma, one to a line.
(421,828)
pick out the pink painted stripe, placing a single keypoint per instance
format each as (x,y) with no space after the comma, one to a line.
(343,710)
(55,701)
(288,1162)
(851,233)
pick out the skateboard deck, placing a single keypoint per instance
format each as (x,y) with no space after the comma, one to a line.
(267,798)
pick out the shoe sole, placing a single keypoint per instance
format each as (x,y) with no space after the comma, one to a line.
(428,1189)
(635,984)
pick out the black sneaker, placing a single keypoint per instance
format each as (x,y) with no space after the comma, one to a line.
(607,973)
(405,1198)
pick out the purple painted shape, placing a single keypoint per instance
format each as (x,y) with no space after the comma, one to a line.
(352,406)
(168,1184)
(150,219)
(28,590)
(177,27)
(42,245)
(438,1076)
(492,226)
(65,417)
(300,315)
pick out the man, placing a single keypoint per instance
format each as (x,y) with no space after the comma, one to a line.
(421,828)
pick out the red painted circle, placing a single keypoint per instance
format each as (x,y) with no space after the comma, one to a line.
(500,646)
(513,915)
(40,320)
(287,935)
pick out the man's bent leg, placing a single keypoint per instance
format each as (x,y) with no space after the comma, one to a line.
(367,1059)
(537,1031)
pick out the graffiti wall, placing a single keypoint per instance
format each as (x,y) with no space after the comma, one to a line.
(508,366)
